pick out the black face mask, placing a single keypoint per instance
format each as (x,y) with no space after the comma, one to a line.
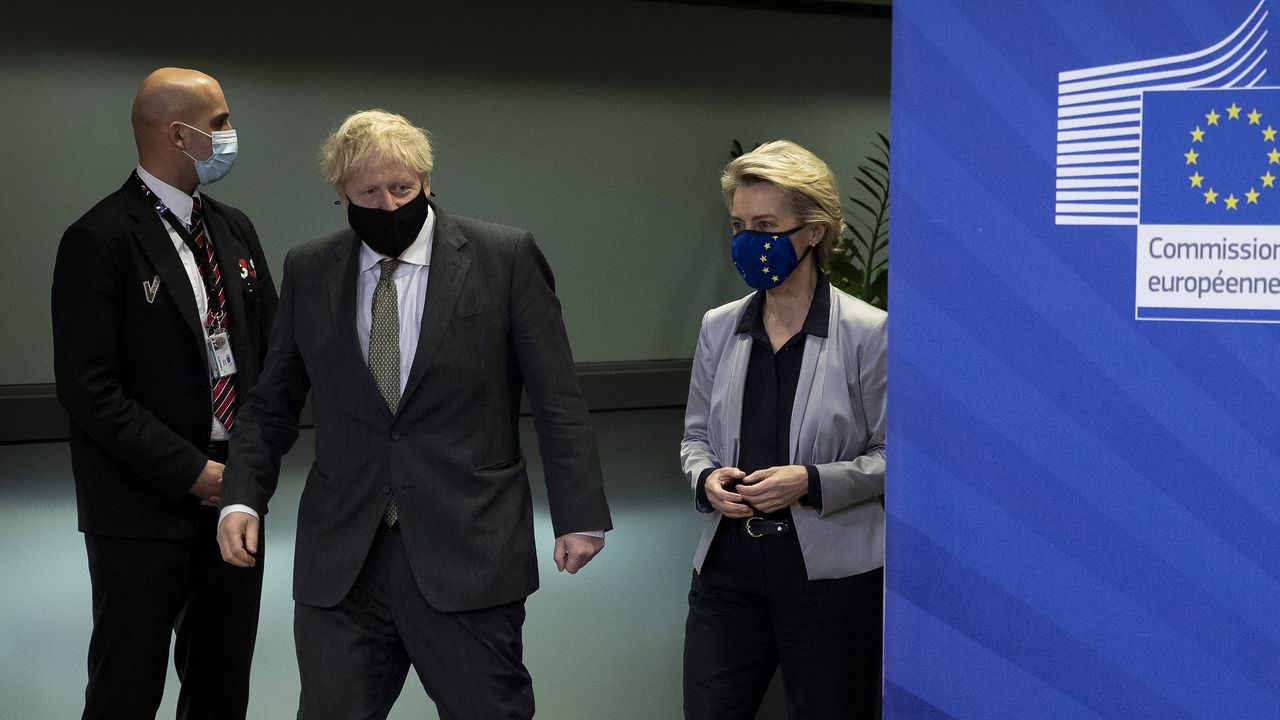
(389,232)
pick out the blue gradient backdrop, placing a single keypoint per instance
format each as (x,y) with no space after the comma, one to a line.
(1084,509)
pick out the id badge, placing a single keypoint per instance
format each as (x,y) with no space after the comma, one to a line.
(221,361)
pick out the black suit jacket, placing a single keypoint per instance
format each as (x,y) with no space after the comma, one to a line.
(451,455)
(130,359)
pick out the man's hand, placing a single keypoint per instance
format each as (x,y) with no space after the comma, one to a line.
(238,539)
(208,484)
(574,551)
(774,488)
(729,503)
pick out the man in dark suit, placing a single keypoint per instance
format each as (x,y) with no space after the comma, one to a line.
(415,332)
(162,304)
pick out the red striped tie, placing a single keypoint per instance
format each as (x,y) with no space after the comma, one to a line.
(224,388)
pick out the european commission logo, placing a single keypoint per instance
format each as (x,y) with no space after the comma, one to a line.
(1186,148)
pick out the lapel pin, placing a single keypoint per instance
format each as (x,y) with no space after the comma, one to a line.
(150,288)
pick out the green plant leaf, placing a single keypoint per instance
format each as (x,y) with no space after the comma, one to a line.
(875,168)
(880,286)
(878,195)
(864,206)
(880,183)
(866,224)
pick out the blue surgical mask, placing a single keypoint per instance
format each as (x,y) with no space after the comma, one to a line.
(216,167)
(765,259)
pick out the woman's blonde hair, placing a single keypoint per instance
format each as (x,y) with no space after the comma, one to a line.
(808,183)
(371,136)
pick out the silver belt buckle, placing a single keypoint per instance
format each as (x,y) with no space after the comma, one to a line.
(751,532)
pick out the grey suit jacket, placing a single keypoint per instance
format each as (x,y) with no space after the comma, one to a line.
(837,424)
(451,455)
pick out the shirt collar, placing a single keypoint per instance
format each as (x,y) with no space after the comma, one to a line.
(418,253)
(178,202)
(815,322)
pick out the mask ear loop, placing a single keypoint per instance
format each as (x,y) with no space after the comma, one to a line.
(805,254)
(193,157)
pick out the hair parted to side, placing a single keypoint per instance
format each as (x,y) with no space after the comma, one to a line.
(808,183)
(371,136)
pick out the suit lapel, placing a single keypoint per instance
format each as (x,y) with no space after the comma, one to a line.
(449,264)
(343,304)
(156,244)
(735,386)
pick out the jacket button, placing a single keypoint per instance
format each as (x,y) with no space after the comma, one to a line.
(386,489)
(395,435)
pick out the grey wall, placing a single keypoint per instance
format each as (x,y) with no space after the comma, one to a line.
(601,126)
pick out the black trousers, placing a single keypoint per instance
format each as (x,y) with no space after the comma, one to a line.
(353,658)
(752,609)
(145,591)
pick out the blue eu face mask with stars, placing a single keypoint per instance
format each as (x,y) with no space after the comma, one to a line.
(765,259)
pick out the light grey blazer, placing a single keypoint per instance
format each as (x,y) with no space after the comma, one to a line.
(837,424)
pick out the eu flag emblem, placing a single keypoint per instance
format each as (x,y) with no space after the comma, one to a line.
(1210,157)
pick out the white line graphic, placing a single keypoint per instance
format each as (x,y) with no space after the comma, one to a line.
(1099,129)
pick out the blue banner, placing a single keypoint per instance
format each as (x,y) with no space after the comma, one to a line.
(1084,458)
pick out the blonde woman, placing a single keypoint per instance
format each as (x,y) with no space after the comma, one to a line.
(784,451)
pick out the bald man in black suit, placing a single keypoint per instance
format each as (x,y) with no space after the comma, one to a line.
(141,310)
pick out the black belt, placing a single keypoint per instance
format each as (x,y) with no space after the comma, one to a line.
(759,527)
(216,450)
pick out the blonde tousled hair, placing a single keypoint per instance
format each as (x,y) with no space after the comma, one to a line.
(808,183)
(371,136)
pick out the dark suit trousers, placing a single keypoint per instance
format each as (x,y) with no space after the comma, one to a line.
(353,658)
(752,608)
(145,591)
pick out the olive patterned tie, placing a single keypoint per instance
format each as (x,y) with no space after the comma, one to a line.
(384,348)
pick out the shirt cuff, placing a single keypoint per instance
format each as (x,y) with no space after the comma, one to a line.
(236,508)
(814,497)
(590,533)
(700,500)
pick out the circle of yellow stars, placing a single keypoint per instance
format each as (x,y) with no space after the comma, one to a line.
(1212,118)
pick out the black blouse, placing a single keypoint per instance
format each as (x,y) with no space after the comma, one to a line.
(769,394)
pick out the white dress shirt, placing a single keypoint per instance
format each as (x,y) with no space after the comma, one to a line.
(411,292)
(411,282)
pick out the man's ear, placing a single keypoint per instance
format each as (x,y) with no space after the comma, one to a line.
(175,135)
